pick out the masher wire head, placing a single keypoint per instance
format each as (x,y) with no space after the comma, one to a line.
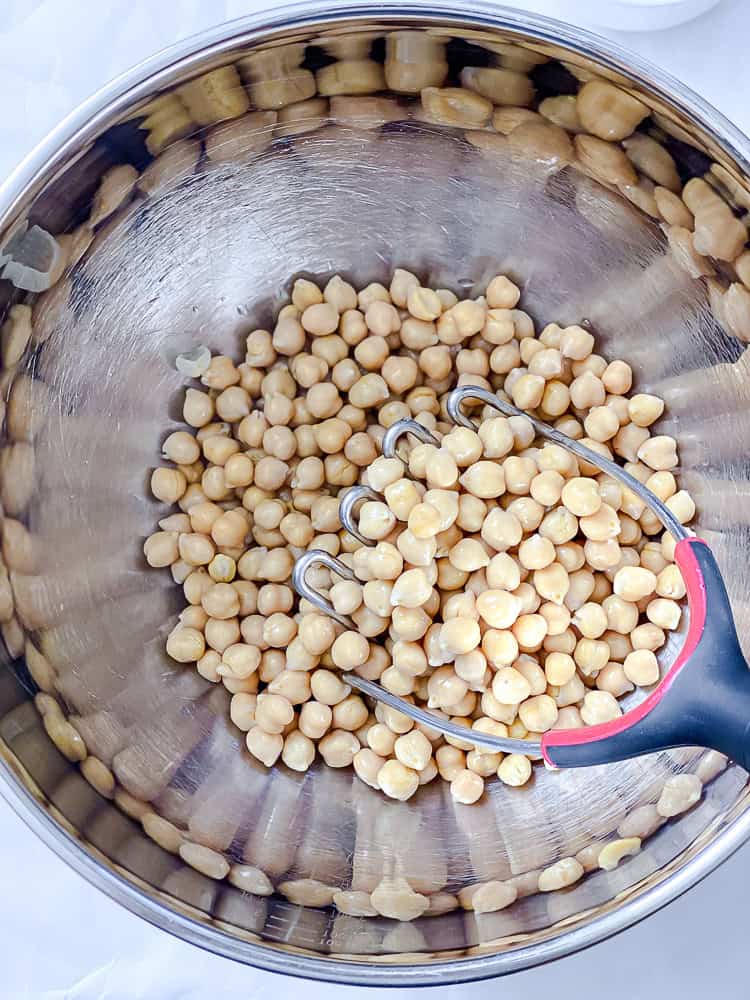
(358,494)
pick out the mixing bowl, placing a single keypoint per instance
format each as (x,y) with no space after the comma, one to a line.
(192,241)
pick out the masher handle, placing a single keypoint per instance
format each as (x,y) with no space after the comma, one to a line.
(703,700)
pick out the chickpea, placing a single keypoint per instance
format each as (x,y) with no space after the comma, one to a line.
(644,409)
(397,781)
(195,549)
(468,555)
(510,687)
(576,343)
(413,750)
(230,529)
(265,747)
(536,552)
(185,645)
(552,582)
(664,612)
(459,635)
(305,293)
(467,787)
(670,583)
(602,555)
(320,319)
(632,583)
(602,423)
(617,378)
(599,707)
(641,667)
(591,655)
(424,521)
(168,485)
(601,526)
(315,719)
(581,497)
(161,548)
(591,620)
(539,713)
(514,770)
(680,792)
(659,452)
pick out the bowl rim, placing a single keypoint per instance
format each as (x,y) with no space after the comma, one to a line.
(37,169)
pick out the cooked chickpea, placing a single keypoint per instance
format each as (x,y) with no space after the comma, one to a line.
(514,770)
(664,612)
(467,787)
(633,583)
(659,453)
(538,714)
(459,635)
(264,746)
(168,485)
(641,667)
(536,552)
(591,620)
(499,608)
(599,707)
(397,781)
(644,409)
(591,655)
(580,496)
(348,651)
(162,548)
(186,645)
(468,555)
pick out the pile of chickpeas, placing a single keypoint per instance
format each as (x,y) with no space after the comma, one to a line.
(508,585)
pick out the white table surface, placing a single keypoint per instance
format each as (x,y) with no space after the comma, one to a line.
(66,940)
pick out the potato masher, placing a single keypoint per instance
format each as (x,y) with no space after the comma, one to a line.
(702,700)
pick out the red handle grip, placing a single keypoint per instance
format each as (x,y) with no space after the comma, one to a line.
(559,745)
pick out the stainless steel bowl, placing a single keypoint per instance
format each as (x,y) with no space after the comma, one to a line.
(197,252)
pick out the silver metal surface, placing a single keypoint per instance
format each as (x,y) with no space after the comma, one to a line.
(319,557)
(202,258)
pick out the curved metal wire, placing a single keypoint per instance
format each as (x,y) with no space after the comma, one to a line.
(357,494)
(347,509)
(406,426)
(606,465)
(505,744)
(319,557)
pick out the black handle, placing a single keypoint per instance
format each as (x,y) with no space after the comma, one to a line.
(704,700)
